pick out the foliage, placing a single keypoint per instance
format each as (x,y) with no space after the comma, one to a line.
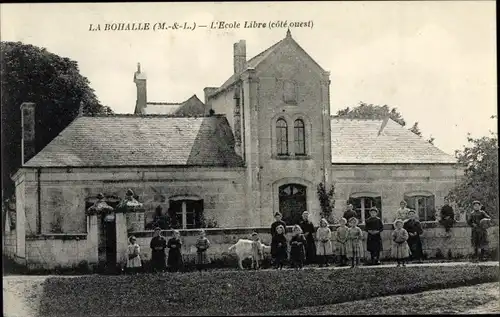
(326,200)
(480,182)
(54,84)
(370,111)
(243,292)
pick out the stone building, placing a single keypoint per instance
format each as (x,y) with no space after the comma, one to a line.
(258,144)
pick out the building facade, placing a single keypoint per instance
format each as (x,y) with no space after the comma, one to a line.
(262,142)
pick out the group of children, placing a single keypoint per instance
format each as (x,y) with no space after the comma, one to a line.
(158,245)
(348,242)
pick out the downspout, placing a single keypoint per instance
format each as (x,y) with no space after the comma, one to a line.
(38,201)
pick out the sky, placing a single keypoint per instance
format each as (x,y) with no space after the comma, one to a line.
(434,61)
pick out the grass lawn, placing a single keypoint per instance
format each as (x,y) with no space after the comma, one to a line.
(481,298)
(234,292)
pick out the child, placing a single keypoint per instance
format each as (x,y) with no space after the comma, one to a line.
(257,253)
(297,248)
(374,227)
(353,245)
(278,222)
(400,250)
(479,237)
(414,229)
(174,253)
(342,241)
(324,248)
(202,244)
(279,247)
(134,263)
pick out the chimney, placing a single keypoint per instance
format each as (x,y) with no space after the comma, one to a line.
(28,131)
(140,83)
(239,56)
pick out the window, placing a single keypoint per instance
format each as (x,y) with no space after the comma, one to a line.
(423,205)
(299,137)
(289,92)
(282,137)
(362,206)
(186,213)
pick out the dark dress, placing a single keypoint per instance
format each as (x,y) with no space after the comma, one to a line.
(158,256)
(297,249)
(447,212)
(374,241)
(479,237)
(174,260)
(279,248)
(308,231)
(348,214)
(276,224)
(414,242)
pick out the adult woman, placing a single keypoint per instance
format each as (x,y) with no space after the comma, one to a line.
(308,230)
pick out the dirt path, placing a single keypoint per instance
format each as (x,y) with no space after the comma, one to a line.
(21,295)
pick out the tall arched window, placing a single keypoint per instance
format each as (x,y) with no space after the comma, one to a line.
(282,137)
(299,137)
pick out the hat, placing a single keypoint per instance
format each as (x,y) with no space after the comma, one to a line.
(254,234)
(403,202)
(277,214)
(398,220)
(305,212)
(476,202)
(157,229)
(374,208)
(100,196)
(132,238)
(355,219)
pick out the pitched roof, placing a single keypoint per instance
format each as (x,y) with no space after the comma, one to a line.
(356,141)
(131,140)
(191,107)
(259,58)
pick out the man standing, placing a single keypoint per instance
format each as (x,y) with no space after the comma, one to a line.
(447,216)
(158,245)
(350,212)
(308,230)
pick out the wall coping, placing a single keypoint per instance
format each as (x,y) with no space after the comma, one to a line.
(57,236)
(265,230)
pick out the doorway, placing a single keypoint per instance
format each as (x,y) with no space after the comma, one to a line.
(292,202)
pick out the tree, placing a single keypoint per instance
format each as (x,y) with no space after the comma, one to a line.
(480,181)
(54,84)
(326,200)
(370,111)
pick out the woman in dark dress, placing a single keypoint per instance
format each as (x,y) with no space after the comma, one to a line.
(308,230)
(479,237)
(279,247)
(374,227)
(158,245)
(297,248)
(414,229)
(174,245)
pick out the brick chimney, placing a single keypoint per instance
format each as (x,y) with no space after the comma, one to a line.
(28,131)
(140,83)
(239,56)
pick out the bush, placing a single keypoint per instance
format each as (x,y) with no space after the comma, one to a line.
(233,292)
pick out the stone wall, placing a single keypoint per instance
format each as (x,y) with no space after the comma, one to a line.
(64,193)
(433,238)
(9,243)
(68,250)
(50,251)
(391,182)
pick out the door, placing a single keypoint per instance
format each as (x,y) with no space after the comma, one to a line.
(292,202)
(110,243)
